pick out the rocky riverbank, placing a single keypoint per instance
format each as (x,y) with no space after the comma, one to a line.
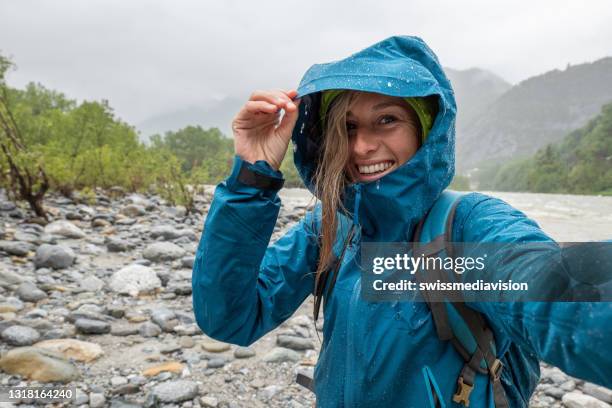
(100,299)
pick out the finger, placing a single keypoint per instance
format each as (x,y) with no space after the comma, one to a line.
(286,125)
(260,106)
(276,97)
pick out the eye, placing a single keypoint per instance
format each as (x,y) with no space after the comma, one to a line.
(387,119)
(351,127)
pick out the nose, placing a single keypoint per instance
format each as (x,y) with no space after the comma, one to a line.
(364,143)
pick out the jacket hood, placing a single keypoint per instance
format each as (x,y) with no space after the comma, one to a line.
(404,66)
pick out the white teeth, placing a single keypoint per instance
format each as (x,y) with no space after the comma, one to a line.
(375,168)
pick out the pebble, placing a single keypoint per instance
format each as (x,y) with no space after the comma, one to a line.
(215,346)
(294,342)
(579,400)
(216,362)
(281,354)
(20,335)
(244,352)
(90,326)
(28,292)
(175,391)
(54,256)
(163,251)
(134,280)
(149,329)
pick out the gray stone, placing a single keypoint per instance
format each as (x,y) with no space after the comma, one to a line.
(8,278)
(216,362)
(124,329)
(17,248)
(148,329)
(54,256)
(92,284)
(167,232)
(118,380)
(164,318)
(209,402)
(65,229)
(294,343)
(97,400)
(89,326)
(163,251)
(80,397)
(175,391)
(135,279)
(597,391)
(269,392)
(187,262)
(280,355)
(133,210)
(28,292)
(579,400)
(244,352)
(20,335)
(114,244)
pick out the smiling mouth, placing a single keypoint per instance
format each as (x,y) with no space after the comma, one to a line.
(374,169)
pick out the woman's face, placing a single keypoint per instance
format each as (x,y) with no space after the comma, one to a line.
(383,134)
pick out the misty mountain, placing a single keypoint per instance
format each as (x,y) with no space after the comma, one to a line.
(536,112)
(475,89)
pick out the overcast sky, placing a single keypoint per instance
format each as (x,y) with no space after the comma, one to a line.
(147,57)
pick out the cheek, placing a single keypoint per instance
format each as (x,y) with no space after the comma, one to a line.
(403,145)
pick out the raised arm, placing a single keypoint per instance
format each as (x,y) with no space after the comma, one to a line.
(574,336)
(241,287)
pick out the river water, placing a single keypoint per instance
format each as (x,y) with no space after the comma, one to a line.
(565,217)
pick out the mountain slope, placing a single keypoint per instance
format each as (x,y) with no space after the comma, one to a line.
(534,113)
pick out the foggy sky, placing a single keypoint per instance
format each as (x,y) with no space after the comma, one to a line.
(148,57)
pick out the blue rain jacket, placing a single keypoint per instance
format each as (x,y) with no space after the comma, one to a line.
(382,354)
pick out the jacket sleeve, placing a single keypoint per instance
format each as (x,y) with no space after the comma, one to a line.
(243,288)
(574,336)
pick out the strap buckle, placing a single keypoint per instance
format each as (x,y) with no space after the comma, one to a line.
(496,368)
(462,395)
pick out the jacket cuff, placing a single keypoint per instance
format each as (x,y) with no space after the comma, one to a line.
(259,176)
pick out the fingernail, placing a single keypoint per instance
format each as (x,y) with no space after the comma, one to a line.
(291,105)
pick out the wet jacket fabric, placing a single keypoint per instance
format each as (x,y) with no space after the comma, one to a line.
(381,353)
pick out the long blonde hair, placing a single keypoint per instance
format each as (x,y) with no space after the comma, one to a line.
(330,181)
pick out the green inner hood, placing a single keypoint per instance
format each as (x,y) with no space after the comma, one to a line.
(422,107)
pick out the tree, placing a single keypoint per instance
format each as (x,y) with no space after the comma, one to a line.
(27,178)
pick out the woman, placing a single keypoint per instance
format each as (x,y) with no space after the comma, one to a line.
(373,138)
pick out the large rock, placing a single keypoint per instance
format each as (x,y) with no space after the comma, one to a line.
(17,248)
(175,391)
(54,256)
(39,365)
(65,229)
(135,279)
(597,391)
(163,251)
(20,335)
(579,400)
(114,244)
(72,348)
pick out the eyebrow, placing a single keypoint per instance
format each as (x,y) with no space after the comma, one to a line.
(382,105)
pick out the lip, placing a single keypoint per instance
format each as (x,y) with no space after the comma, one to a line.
(372,177)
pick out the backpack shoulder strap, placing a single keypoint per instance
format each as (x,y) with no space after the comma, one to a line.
(466,328)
